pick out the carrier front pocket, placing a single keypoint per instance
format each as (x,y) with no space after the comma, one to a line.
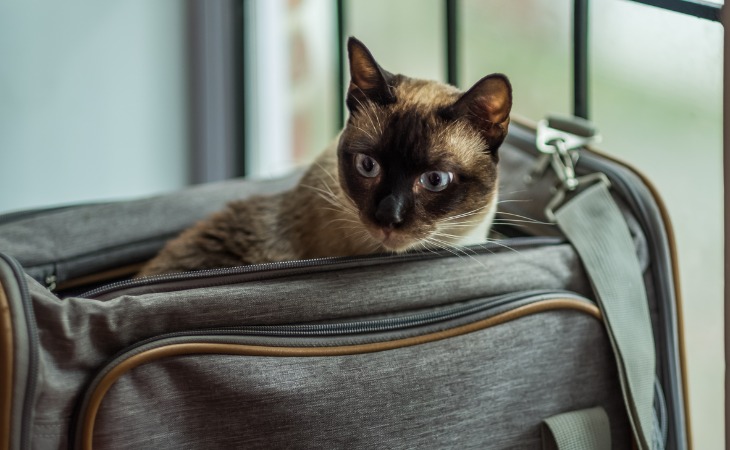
(461,376)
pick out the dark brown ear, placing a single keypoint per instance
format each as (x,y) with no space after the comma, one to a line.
(487,105)
(368,81)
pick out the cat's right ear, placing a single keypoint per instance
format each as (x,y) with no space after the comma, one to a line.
(368,81)
(487,106)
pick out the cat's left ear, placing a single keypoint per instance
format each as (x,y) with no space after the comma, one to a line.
(487,105)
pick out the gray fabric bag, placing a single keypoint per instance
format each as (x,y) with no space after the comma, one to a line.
(515,345)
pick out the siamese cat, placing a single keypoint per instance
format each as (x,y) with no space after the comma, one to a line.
(415,167)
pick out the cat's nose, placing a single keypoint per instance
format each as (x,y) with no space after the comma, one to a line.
(390,211)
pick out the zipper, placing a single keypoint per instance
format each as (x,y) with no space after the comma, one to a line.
(343,333)
(205,278)
(343,329)
(17,216)
(33,346)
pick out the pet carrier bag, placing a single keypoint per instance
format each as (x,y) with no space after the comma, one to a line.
(563,333)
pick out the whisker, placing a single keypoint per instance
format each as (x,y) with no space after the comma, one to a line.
(327,172)
(515,221)
(375,246)
(333,209)
(456,248)
(460,248)
(517,215)
(318,190)
(446,235)
(343,219)
(422,244)
(468,213)
(513,201)
(346,197)
(515,225)
(495,241)
(344,227)
(365,111)
(442,247)
(457,227)
(464,224)
(334,201)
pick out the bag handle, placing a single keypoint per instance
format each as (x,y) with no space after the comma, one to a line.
(586,429)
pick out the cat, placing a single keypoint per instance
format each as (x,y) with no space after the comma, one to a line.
(415,167)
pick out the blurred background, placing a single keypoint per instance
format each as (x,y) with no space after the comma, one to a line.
(112,100)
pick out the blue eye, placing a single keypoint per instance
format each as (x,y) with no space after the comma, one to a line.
(367,166)
(436,180)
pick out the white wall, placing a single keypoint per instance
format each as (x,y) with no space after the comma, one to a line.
(268,90)
(92,100)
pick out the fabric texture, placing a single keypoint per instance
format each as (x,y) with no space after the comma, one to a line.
(489,389)
(79,240)
(468,392)
(78,335)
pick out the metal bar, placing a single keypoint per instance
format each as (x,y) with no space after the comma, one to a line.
(239,73)
(215,80)
(452,48)
(697,8)
(340,12)
(726,188)
(580,58)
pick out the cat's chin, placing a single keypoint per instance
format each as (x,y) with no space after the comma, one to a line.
(393,240)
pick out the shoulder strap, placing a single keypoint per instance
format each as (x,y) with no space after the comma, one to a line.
(595,226)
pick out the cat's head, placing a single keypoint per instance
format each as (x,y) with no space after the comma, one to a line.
(419,158)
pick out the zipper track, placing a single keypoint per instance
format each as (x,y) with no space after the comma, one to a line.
(33,346)
(340,329)
(362,326)
(16,216)
(233,335)
(332,262)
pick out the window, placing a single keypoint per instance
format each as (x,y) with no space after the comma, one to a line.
(654,92)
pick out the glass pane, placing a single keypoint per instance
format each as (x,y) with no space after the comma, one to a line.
(405,36)
(529,41)
(292,86)
(291,83)
(657,98)
(313,76)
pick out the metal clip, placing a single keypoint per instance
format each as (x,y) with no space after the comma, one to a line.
(559,140)
(51,282)
(560,148)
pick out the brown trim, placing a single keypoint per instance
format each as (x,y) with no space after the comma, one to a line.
(531,125)
(99,277)
(6,370)
(86,433)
